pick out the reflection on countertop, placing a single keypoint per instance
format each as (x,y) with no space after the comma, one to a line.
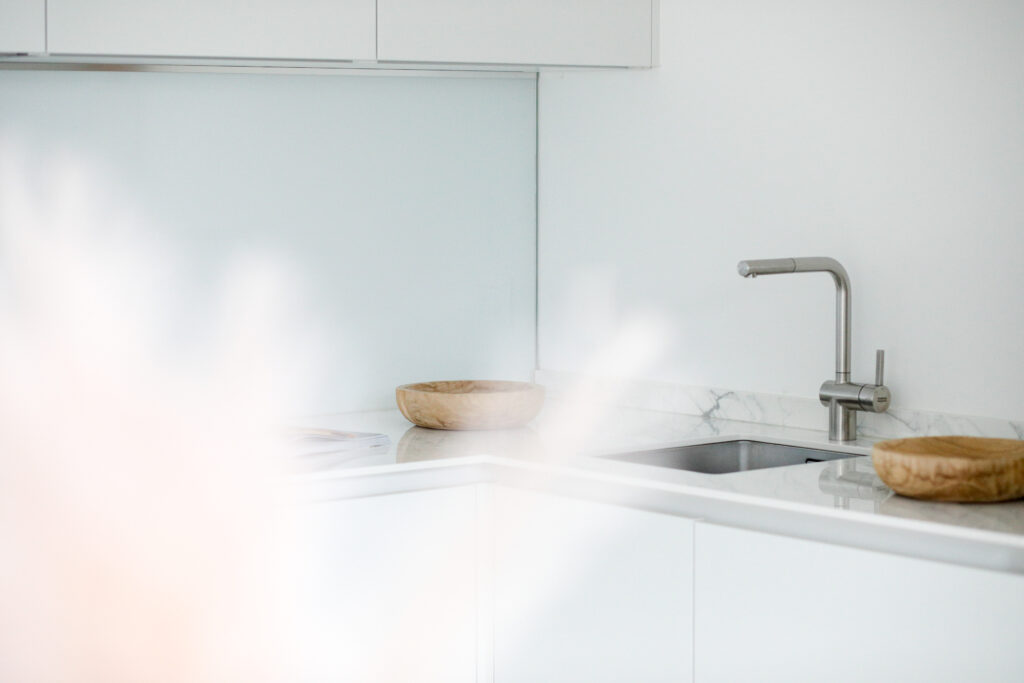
(853,479)
(418,444)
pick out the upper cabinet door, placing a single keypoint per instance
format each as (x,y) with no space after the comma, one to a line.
(542,32)
(22,26)
(261,29)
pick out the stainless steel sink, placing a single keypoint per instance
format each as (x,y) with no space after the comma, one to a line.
(724,457)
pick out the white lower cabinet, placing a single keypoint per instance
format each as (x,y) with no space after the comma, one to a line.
(486,583)
(383,589)
(589,592)
(770,608)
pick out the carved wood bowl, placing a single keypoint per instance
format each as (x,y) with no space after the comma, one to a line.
(470,404)
(965,469)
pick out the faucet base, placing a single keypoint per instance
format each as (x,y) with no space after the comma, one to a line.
(842,422)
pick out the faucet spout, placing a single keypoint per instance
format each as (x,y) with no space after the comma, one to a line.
(815,264)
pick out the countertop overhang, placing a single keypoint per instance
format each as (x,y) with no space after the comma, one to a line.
(790,501)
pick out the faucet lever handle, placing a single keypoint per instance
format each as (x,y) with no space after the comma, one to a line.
(880,367)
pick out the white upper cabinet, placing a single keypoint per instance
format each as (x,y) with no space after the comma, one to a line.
(541,32)
(22,26)
(259,29)
(531,33)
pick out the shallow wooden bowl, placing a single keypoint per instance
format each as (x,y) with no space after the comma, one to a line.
(470,404)
(966,469)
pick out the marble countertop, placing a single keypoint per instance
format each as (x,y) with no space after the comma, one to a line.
(571,439)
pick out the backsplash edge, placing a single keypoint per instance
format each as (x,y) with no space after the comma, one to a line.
(774,409)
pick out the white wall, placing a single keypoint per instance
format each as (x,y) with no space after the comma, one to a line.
(888,135)
(406,206)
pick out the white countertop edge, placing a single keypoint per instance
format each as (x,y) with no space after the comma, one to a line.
(982,549)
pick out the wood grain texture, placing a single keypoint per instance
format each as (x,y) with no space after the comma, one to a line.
(964,469)
(470,404)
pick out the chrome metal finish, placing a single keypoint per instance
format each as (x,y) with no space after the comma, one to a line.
(849,480)
(875,398)
(842,396)
(867,397)
(815,264)
(770,266)
(726,457)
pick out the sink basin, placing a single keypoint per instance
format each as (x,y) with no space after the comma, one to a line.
(724,457)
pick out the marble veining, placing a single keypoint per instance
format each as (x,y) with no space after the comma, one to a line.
(846,485)
(785,411)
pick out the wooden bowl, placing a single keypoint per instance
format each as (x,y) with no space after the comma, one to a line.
(964,469)
(470,404)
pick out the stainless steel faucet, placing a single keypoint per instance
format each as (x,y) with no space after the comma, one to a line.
(843,397)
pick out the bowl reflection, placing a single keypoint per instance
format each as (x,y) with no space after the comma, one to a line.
(419,444)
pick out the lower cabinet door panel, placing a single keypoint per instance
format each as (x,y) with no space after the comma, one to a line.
(383,588)
(589,592)
(770,608)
